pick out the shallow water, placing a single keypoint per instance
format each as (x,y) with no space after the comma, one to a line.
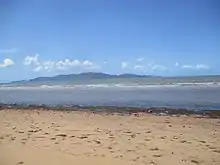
(206,97)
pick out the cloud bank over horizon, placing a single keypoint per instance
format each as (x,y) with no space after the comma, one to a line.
(65,64)
(194,67)
(139,65)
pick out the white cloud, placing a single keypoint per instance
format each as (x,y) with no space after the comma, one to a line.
(87,63)
(14,50)
(50,65)
(201,66)
(29,60)
(67,62)
(124,64)
(7,63)
(188,66)
(138,67)
(75,63)
(47,65)
(196,67)
(140,59)
(147,67)
(153,66)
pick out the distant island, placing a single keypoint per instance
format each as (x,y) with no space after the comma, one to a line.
(103,78)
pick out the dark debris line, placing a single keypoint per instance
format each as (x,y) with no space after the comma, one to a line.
(160,111)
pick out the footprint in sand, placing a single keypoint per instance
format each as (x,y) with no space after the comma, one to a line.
(97,130)
(119,156)
(157,155)
(97,141)
(214,149)
(133,135)
(195,162)
(175,137)
(72,136)
(163,137)
(153,163)
(61,135)
(40,137)
(130,150)
(147,139)
(83,137)
(217,151)
(184,141)
(135,159)
(34,131)
(154,149)
(13,138)
(111,137)
(109,147)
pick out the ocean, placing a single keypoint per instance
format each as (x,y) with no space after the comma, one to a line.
(199,97)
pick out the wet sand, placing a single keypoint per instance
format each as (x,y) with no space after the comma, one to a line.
(46,137)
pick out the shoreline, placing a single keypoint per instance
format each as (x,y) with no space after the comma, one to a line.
(122,110)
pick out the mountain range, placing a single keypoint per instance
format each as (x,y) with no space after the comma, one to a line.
(103,78)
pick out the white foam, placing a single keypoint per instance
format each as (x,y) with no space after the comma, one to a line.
(91,86)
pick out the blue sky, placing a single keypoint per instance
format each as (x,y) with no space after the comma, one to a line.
(157,37)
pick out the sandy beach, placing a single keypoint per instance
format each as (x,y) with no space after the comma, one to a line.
(33,137)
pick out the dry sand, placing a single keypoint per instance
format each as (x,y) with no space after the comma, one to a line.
(34,137)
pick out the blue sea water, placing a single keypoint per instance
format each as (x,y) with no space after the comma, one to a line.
(191,97)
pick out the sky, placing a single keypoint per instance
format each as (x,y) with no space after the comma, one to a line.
(152,37)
